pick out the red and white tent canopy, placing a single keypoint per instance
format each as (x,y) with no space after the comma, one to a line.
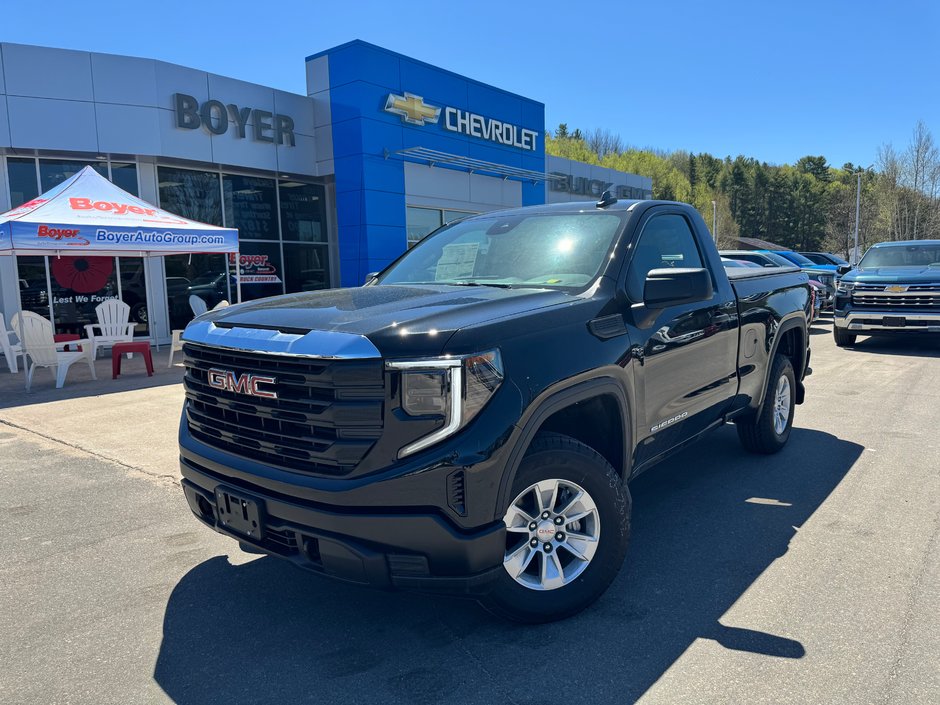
(89,214)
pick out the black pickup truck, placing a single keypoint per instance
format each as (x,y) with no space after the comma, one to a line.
(469,420)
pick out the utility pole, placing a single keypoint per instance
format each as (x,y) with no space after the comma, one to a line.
(715,222)
(858,203)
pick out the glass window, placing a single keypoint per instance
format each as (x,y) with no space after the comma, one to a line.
(191,194)
(79,284)
(666,241)
(134,292)
(564,250)
(124,176)
(23,184)
(303,212)
(306,267)
(198,274)
(251,206)
(53,172)
(34,289)
(450,216)
(902,256)
(420,222)
(261,270)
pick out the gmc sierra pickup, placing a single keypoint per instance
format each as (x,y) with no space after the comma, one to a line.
(469,420)
(894,289)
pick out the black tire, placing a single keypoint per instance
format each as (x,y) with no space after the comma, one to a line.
(757,433)
(841,337)
(555,456)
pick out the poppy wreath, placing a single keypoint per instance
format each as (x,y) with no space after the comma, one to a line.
(83,275)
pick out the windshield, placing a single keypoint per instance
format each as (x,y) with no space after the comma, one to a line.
(798,259)
(902,256)
(539,250)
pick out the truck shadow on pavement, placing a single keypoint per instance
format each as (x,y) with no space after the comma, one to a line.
(903,344)
(706,525)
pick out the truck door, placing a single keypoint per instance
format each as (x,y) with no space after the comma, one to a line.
(684,357)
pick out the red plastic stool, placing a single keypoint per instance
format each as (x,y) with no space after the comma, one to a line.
(119,349)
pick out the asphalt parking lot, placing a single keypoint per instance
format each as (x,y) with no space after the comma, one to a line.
(812,576)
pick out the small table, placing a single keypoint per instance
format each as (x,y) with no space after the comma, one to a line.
(67,338)
(119,349)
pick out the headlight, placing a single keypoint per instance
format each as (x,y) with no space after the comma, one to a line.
(453,388)
(844,287)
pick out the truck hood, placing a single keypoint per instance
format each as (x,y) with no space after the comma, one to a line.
(894,275)
(398,319)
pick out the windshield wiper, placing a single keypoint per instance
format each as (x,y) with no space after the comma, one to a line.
(494,284)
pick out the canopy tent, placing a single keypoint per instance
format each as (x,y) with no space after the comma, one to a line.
(87,214)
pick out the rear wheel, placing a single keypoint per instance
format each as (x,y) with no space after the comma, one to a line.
(841,337)
(768,431)
(567,529)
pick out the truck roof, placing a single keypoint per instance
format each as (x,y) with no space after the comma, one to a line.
(579,207)
(906,243)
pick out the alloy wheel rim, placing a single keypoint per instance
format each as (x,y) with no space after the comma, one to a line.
(552,532)
(782,405)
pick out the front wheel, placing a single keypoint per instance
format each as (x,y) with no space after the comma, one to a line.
(567,529)
(841,337)
(768,431)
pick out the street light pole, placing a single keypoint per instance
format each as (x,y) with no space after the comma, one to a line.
(715,222)
(858,203)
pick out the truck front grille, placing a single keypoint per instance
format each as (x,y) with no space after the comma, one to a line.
(919,296)
(326,417)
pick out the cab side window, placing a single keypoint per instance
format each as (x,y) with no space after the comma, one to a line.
(666,241)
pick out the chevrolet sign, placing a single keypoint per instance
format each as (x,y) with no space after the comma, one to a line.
(413,110)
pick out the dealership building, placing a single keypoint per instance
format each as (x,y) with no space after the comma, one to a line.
(323,188)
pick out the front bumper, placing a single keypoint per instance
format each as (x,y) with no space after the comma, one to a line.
(419,550)
(865,320)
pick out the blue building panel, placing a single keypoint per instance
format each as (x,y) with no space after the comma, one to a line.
(371,198)
(383,208)
(360,61)
(348,172)
(347,138)
(437,87)
(385,242)
(387,173)
(494,103)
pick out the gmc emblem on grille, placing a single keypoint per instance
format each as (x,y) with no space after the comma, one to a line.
(248,383)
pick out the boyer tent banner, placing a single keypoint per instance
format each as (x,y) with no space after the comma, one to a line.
(88,214)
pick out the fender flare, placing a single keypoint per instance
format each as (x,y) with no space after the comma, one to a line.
(555,400)
(794,320)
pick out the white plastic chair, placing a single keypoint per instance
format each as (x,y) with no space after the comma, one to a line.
(198,306)
(113,317)
(175,344)
(36,335)
(10,350)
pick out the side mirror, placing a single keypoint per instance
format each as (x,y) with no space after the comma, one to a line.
(673,287)
(844,269)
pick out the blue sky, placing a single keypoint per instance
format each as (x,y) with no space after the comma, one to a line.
(775,81)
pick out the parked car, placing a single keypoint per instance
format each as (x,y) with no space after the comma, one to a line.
(819,293)
(735,263)
(895,288)
(779,258)
(824,258)
(469,421)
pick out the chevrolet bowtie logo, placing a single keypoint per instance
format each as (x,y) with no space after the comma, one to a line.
(896,288)
(412,109)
